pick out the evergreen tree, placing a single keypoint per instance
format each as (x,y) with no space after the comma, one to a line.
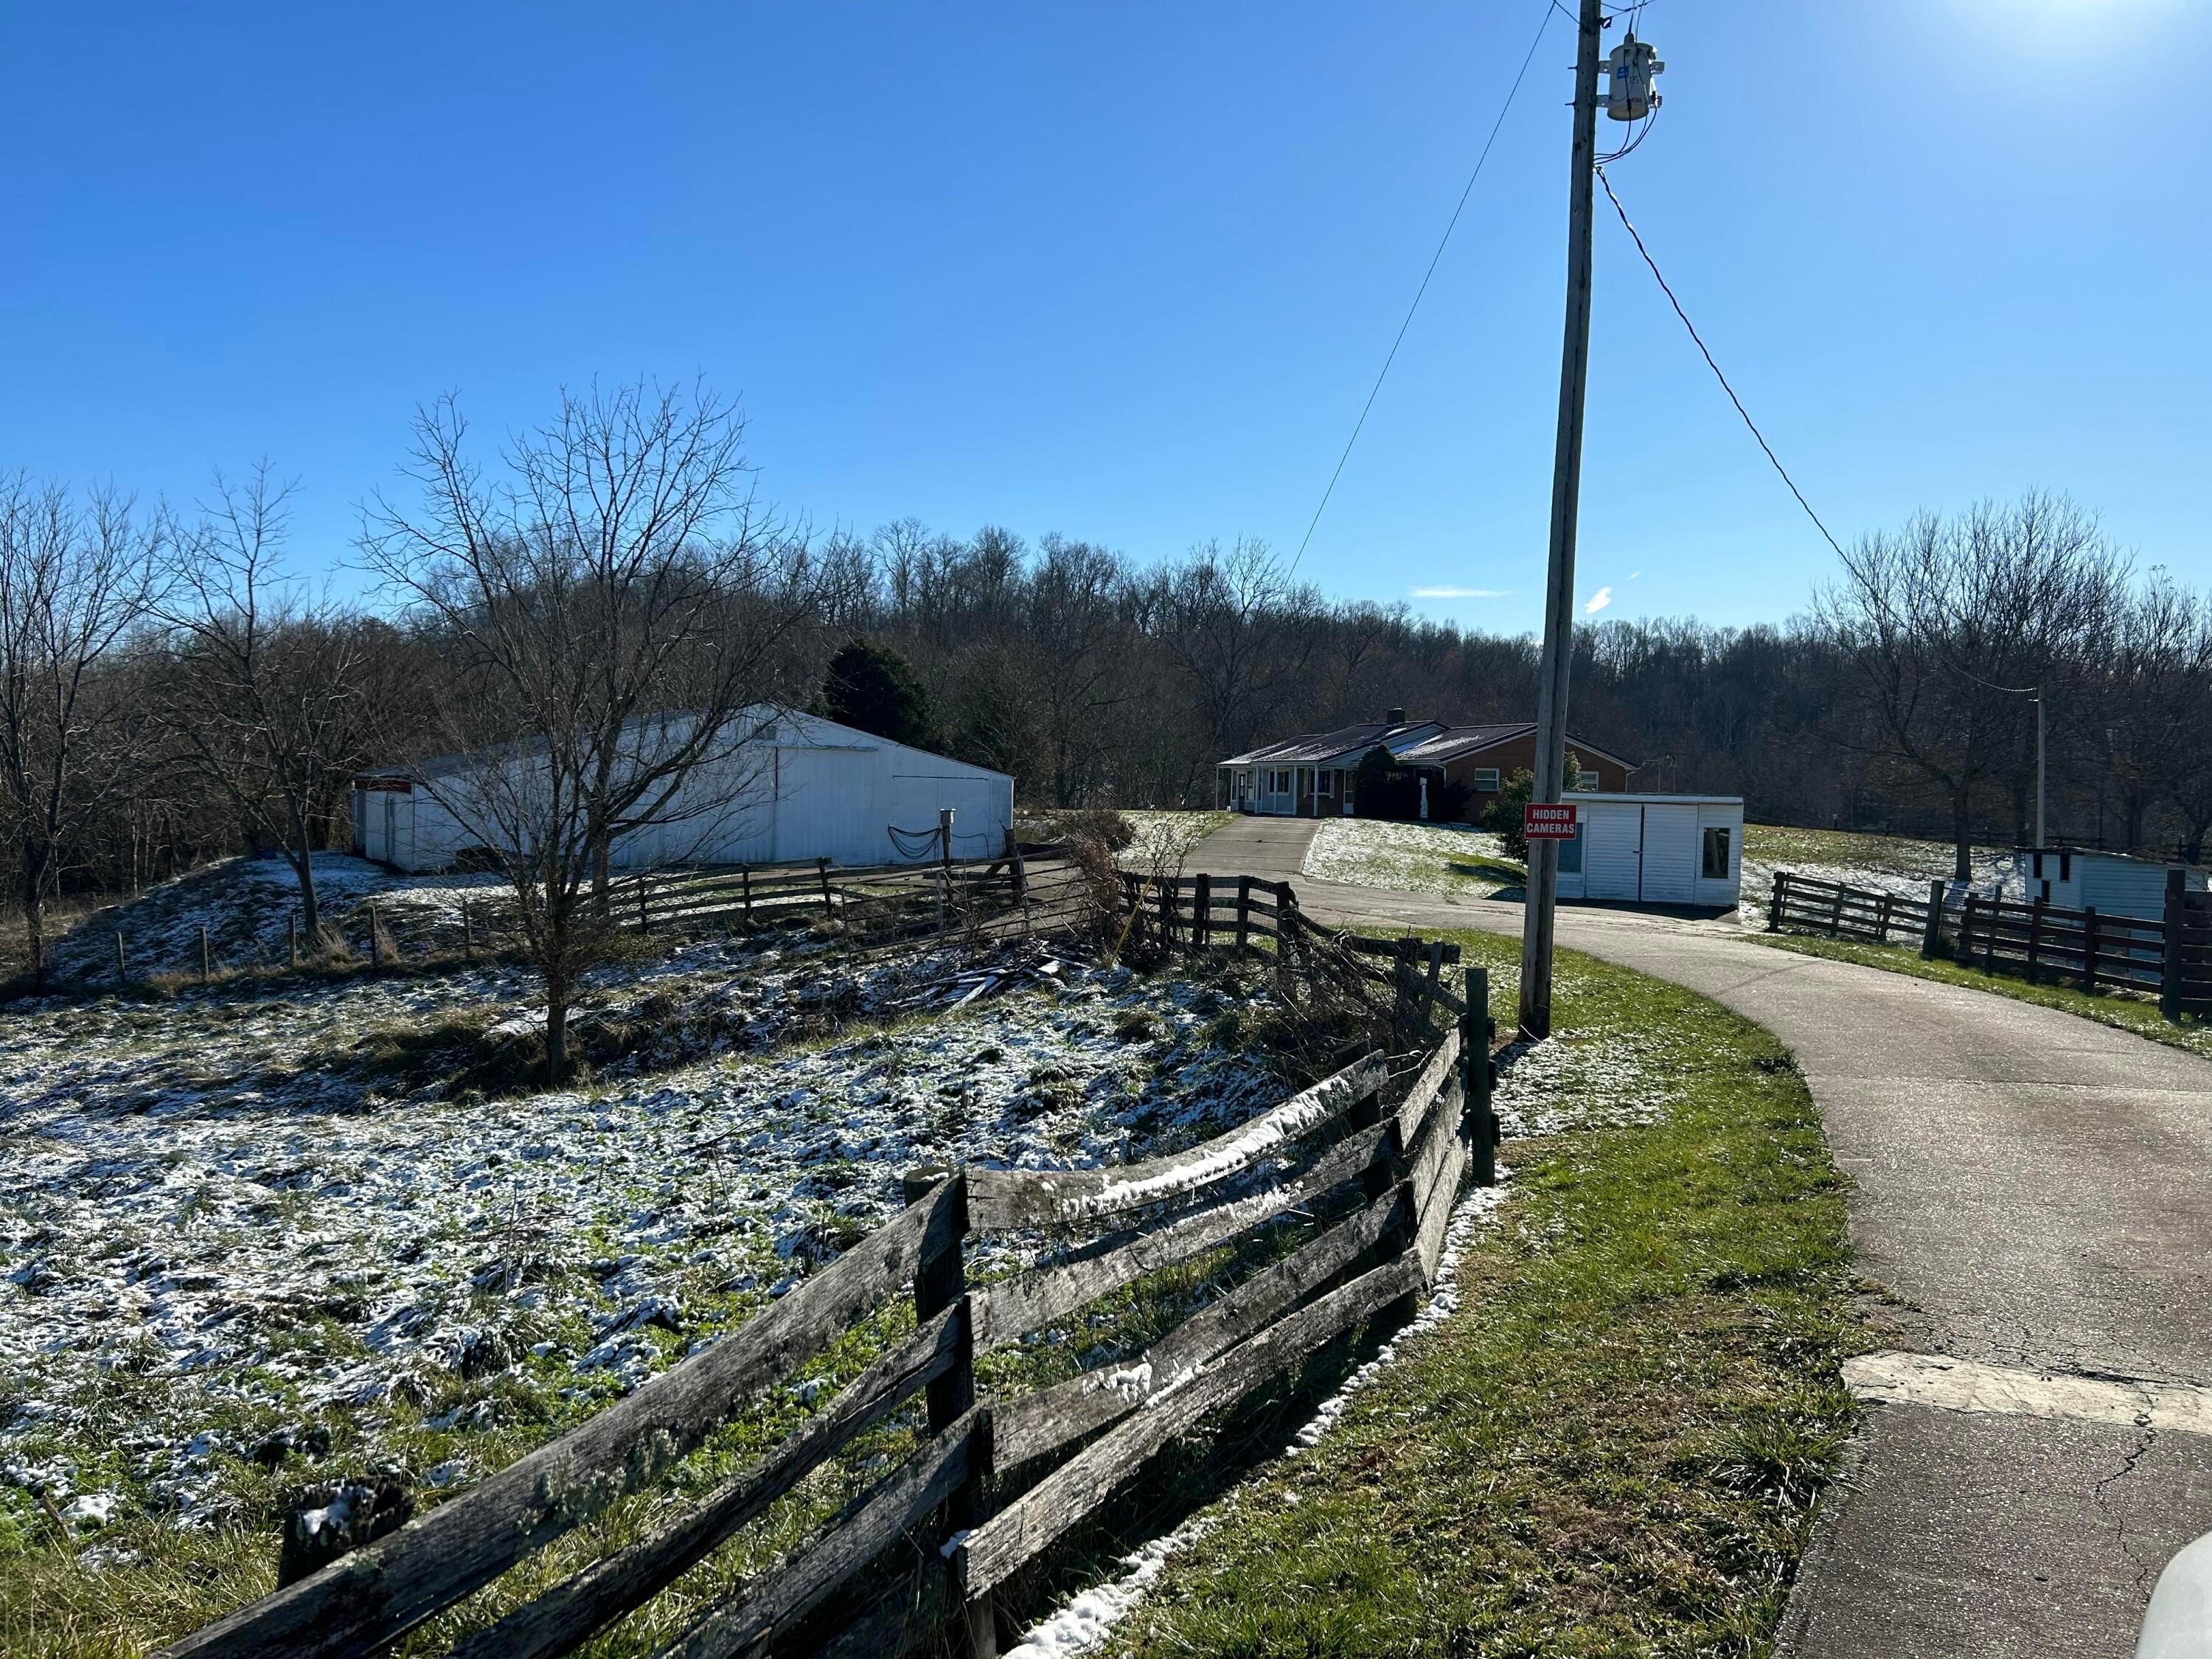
(873,689)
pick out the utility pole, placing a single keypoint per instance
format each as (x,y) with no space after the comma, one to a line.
(2041,841)
(1543,887)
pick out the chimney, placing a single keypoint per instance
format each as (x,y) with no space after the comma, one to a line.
(1396,717)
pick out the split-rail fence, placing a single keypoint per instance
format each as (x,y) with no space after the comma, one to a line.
(2170,957)
(1370,1159)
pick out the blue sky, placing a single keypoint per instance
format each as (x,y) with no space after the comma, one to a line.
(1126,272)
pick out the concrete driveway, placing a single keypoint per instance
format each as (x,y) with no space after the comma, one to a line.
(2037,1190)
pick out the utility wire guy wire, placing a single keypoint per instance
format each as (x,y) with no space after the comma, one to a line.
(1435,260)
(1698,341)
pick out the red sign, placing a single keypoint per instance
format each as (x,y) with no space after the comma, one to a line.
(1549,822)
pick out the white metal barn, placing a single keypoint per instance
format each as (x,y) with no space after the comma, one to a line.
(1654,849)
(804,788)
(2112,884)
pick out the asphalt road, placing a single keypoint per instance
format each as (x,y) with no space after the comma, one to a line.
(2037,1190)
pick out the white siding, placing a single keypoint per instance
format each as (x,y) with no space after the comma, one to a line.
(829,804)
(1721,889)
(1613,855)
(1670,856)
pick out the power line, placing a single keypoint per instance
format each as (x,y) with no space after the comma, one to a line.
(1700,341)
(1435,259)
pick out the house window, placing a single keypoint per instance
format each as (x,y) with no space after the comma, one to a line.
(1486,780)
(1570,852)
(1280,782)
(1586,779)
(1715,866)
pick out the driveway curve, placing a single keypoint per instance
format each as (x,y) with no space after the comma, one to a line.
(2034,1191)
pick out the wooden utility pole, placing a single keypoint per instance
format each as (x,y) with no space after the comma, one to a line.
(1543,886)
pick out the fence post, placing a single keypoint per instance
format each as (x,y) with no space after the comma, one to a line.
(2035,940)
(375,944)
(1167,906)
(822,869)
(1881,919)
(1244,912)
(1402,981)
(2089,944)
(207,962)
(644,913)
(1201,913)
(1774,905)
(468,932)
(1475,1074)
(1836,913)
(940,1281)
(2169,979)
(122,968)
(291,939)
(1931,940)
(745,881)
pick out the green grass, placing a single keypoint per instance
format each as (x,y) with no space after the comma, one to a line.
(2128,1010)
(1615,1446)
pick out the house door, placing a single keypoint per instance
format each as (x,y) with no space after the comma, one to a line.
(1279,790)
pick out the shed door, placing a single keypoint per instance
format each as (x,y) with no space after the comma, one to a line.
(1670,856)
(827,806)
(1613,851)
(391,851)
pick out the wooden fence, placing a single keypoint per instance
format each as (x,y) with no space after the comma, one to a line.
(1369,1162)
(886,904)
(2170,957)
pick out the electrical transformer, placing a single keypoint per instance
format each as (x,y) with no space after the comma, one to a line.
(1629,69)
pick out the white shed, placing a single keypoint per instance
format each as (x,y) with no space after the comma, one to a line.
(1654,849)
(799,788)
(2112,884)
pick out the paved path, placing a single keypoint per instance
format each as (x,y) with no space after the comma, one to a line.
(2038,1189)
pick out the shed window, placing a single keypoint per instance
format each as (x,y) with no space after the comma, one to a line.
(1486,780)
(1715,866)
(1570,852)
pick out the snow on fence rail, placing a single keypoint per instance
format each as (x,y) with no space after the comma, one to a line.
(2171,956)
(997,1481)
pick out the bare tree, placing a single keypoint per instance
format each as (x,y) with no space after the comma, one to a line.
(1948,622)
(270,704)
(1242,637)
(616,601)
(75,580)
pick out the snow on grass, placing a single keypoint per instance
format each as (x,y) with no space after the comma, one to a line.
(246,905)
(1879,864)
(1166,840)
(223,1251)
(1409,858)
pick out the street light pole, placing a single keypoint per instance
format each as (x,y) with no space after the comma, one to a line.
(1543,885)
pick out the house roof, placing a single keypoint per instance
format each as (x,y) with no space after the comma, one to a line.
(1313,747)
(1458,742)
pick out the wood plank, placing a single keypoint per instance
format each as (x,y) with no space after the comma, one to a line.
(867,1527)
(1010,1307)
(1028,1198)
(1030,1524)
(1426,1086)
(564,1616)
(365,1599)
(1040,1423)
(1435,1207)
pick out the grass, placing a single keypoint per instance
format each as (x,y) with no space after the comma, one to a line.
(1896,855)
(1410,858)
(2127,1011)
(1616,1444)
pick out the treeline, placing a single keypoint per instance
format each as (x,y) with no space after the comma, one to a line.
(174,684)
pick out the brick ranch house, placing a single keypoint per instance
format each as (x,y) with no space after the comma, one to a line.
(1312,776)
